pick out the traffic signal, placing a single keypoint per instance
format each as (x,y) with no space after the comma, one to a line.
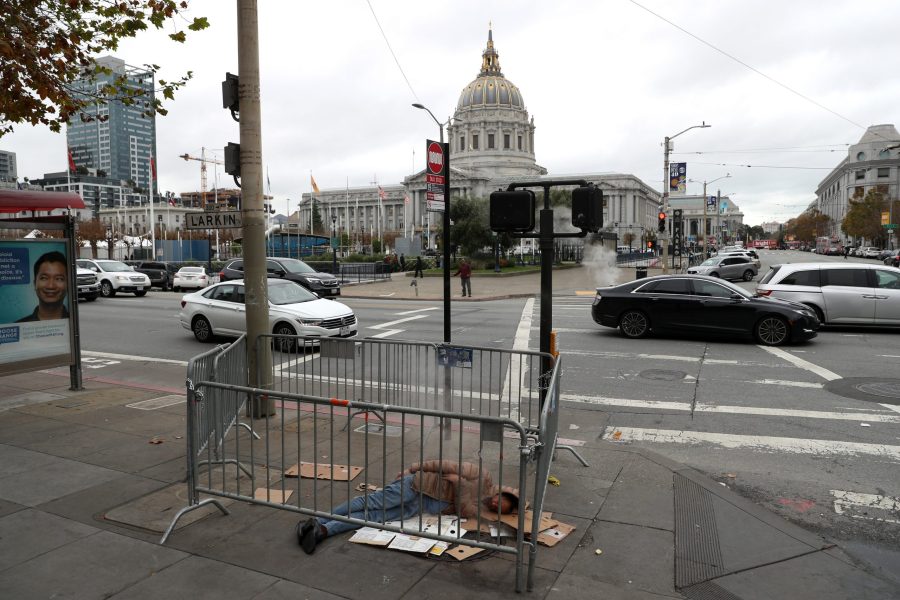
(587,208)
(512,211)
(661,225)
(649,244)
(233,159)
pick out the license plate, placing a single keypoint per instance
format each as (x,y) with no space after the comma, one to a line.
(84,289)
(345,331)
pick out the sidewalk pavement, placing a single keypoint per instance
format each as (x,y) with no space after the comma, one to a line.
(77,470)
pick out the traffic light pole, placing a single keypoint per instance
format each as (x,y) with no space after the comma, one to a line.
(666,183)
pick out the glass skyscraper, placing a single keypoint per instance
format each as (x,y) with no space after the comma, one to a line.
(119,141)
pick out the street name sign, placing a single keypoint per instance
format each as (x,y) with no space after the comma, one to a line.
(214,220)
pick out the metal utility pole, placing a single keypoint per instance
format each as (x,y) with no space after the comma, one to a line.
(666,182)
(705,203)
(259,352)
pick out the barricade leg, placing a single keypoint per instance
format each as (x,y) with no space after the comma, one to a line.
(188,509)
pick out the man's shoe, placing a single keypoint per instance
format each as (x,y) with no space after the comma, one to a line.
(308,535)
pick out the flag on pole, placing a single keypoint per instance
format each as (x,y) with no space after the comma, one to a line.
(312,182)
(381,193)
(71,160)
(405,198)
(153,169)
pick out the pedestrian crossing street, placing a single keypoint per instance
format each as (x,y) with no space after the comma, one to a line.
(737,407)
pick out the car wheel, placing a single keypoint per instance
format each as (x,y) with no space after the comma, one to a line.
(176,289)
(634,324)
(202,329)
(141,293)
(748,275)
(106,290)
(713,274)
(284,344)
(771,331)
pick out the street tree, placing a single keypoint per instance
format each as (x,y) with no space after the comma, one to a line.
(91,232)
(863,218)
(46,45)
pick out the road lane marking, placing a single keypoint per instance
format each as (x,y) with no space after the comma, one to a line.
(418,310)
(889,355)
(397,322)
(516,376)
(802,384)
(893,407)
(387,333)
(733,410)
(847,503)
(157,403)
(752,442)
(801,363)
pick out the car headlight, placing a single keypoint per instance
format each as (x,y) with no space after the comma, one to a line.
(310,322)
(122,278)
(313,280)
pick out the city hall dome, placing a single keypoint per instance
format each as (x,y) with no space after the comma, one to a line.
(490,88)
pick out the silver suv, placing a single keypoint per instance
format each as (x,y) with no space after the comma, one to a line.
(726,267)
(849,293)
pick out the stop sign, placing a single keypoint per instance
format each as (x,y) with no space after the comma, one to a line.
(435,158)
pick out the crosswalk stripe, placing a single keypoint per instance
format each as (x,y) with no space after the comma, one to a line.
(734,410)
(803,364)
(849,503)
(752,442)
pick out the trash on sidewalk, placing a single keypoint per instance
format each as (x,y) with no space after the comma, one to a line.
(552,480)
(362,487)
(272,495)
(309,470)
(554,535)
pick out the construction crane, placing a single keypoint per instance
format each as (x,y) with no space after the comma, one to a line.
(203,160)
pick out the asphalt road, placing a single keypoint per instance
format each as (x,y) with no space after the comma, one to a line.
(760,421)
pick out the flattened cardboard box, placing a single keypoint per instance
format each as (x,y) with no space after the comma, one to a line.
(310,470)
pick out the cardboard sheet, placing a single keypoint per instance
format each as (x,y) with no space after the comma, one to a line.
(463,552)
(272,495)
(554,535)
(310,470)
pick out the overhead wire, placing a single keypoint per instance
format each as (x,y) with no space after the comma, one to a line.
(754,69)
(391,49)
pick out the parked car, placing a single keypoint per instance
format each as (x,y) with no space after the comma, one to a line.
(892,259)
(750,254)
(293,310)
(870,252)
(88,284)
(700,304)
(727,267)
(160,273)
(190,278)
(840,293)
(115,276)
(324,284)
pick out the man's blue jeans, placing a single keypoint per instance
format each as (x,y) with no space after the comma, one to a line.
(395,502)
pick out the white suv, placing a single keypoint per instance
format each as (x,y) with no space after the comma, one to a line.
(840,293)
(115,276)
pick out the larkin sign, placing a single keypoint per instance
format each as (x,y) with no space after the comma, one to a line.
(214,220)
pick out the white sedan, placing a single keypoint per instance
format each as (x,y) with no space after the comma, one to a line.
(293,310)
(190,278)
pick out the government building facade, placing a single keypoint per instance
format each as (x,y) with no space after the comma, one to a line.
(492,144)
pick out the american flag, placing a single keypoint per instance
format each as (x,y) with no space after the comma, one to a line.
(381,193)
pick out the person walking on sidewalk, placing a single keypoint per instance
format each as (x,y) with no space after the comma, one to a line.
(433,487)
(418,272)
(465,274)
(402,262)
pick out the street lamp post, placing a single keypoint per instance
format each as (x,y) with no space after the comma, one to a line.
(666,182)
(705,202)
(334,244)
(445,237)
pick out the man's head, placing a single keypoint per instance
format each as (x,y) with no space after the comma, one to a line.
(50,276)
(503,503)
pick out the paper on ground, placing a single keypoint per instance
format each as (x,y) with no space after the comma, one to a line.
(372,536)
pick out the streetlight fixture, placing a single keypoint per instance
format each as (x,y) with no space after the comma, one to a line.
(334,244)
(445,237)
(666,148)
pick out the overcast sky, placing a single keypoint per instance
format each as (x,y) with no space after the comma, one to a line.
(605,81)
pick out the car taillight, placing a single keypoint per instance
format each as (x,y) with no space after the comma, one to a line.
(183,303)
(764,292)
(203,277)
(222,275)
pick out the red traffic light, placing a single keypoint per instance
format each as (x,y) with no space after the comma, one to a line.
(662,215)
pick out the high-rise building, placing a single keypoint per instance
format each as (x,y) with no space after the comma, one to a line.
(118,140)
(8,166)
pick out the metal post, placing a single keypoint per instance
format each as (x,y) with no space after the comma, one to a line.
(255,282)
(546,244)
(665,234)
(703,230)
(333,246)
(718,218)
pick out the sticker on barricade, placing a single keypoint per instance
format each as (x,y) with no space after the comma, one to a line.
(455,356)
(309,470)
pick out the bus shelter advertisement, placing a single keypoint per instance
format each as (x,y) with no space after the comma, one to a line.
(34,302)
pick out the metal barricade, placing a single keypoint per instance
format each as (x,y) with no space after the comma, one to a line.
(352,414)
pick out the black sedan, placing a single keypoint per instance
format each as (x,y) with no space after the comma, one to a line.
(701,305)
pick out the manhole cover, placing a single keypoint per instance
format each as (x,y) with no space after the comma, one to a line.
(662,375)
(868,389)
(885,389)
